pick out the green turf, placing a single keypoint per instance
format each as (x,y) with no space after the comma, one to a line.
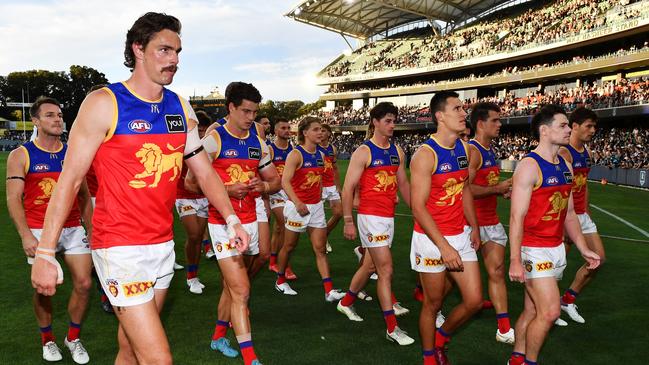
(306,330)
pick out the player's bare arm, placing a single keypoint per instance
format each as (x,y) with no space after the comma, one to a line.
(15,188)
(293,162)
(524,179)
(270,182)
(85,208)
(469,213)
(357,165)
(421,170)
(334,165)
(402,178)
(483,191)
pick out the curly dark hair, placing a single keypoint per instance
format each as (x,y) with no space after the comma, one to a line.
(143,30)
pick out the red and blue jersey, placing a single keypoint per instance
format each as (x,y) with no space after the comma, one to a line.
(378,183)
(42,170)
(543,224)
(138,166)
(91,180)
(580,169)
(450,172)
(278,156)
(487,175)
(236,161)
(329,159)
(307,180)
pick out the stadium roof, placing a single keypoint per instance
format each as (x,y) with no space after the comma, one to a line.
(365,18)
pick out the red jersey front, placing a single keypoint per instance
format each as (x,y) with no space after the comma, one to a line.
(543,224)
(378,183)
(447,182)
(487,175)
(42,171)
(307,180)
(580,169)
(91,180)
(138,167)
(328,178)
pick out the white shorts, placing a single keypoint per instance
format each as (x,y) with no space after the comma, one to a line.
(128,274)
(297,223)
(278,200)
(587,224)
(93,200)
(495,233)
(221,243)
(330,193)
(72,241)
(375,231)
(198,207)
(425,256)
(544,262)
(260,208)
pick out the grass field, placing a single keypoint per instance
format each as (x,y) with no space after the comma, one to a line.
(306,330)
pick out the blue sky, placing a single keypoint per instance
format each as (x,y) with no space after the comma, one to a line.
(223,41)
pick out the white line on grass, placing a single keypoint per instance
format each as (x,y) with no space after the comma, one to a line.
(645,233)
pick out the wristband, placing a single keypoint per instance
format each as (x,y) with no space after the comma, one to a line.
(52,260)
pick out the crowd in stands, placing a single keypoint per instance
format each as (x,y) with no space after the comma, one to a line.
(560,19)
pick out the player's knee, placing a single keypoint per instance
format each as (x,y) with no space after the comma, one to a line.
(337,210)
(82,284)
(550,314)
(161,358)
(263,257)
(385,272)
(240,293)
(431,305)
(497,270)
(473,303)
(194,238)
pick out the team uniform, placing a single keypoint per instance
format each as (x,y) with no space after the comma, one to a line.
(236,160)
(138,166)
(260,208)
(91,181)
(42,170)
(444,204)
(190,203)
(542,249)
(378,194)
(488,175)
(580,169)
(329,189)
(307,184)
(278,156)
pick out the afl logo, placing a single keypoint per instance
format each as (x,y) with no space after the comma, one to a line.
(445,167)
(552,180)
(231,153)
(42,167)
(139,126)
(377,162)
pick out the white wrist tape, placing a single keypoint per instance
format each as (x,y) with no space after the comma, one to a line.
(231,220)
(52,260)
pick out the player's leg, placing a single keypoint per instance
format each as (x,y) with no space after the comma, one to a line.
(219,341)
(295,224)
(277,238)
(494,261)
(80,266)
(194,228)
(336,214)
(318,237)
(527,315)
(544,292)
(43,310)
(358,282)
(433,291)
(260,259)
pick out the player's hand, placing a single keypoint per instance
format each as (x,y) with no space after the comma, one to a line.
(302,209)
(516,271)
(238,190)
(504,186)
(350,230)
(44,277)
(592,259)
(241,238)
(29,245)
(451,258)
(475,239)
(256,184)
(508,194)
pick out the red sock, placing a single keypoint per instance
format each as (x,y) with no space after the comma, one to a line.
(273,259)
(247,352)
(207,245)
(390,320)
(328,285)
(73,331)
(46,334)
(394,299)
(569,297)
(441,338)
(517,359)
(104,298)
(348,299)
(418,294)
(429,357)
(220,330)
(281,278)
(192,271)
(503,322)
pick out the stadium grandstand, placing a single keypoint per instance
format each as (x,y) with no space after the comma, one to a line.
(519,54)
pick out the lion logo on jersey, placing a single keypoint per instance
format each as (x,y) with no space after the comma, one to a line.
(47,186)
(156,163)
(280,170)
(558,203)
(385,181)
(580,182)
(492,178)
(328,165)
(238,175)
(311,179)
(452,188)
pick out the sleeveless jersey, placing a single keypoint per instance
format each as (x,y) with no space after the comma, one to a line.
(307,181)
(278,156)
(181,192)
(378,183)
(449,176)
(91,180)
(42,171)
(543,224)
(236,161)
(580,169)
(487,175)
(328,172)
(138,167)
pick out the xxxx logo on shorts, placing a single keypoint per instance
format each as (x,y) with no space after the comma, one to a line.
(136,288)
(112,287)
(544,266)
(433,262)
(378,238)
(294,224)
(186,208)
